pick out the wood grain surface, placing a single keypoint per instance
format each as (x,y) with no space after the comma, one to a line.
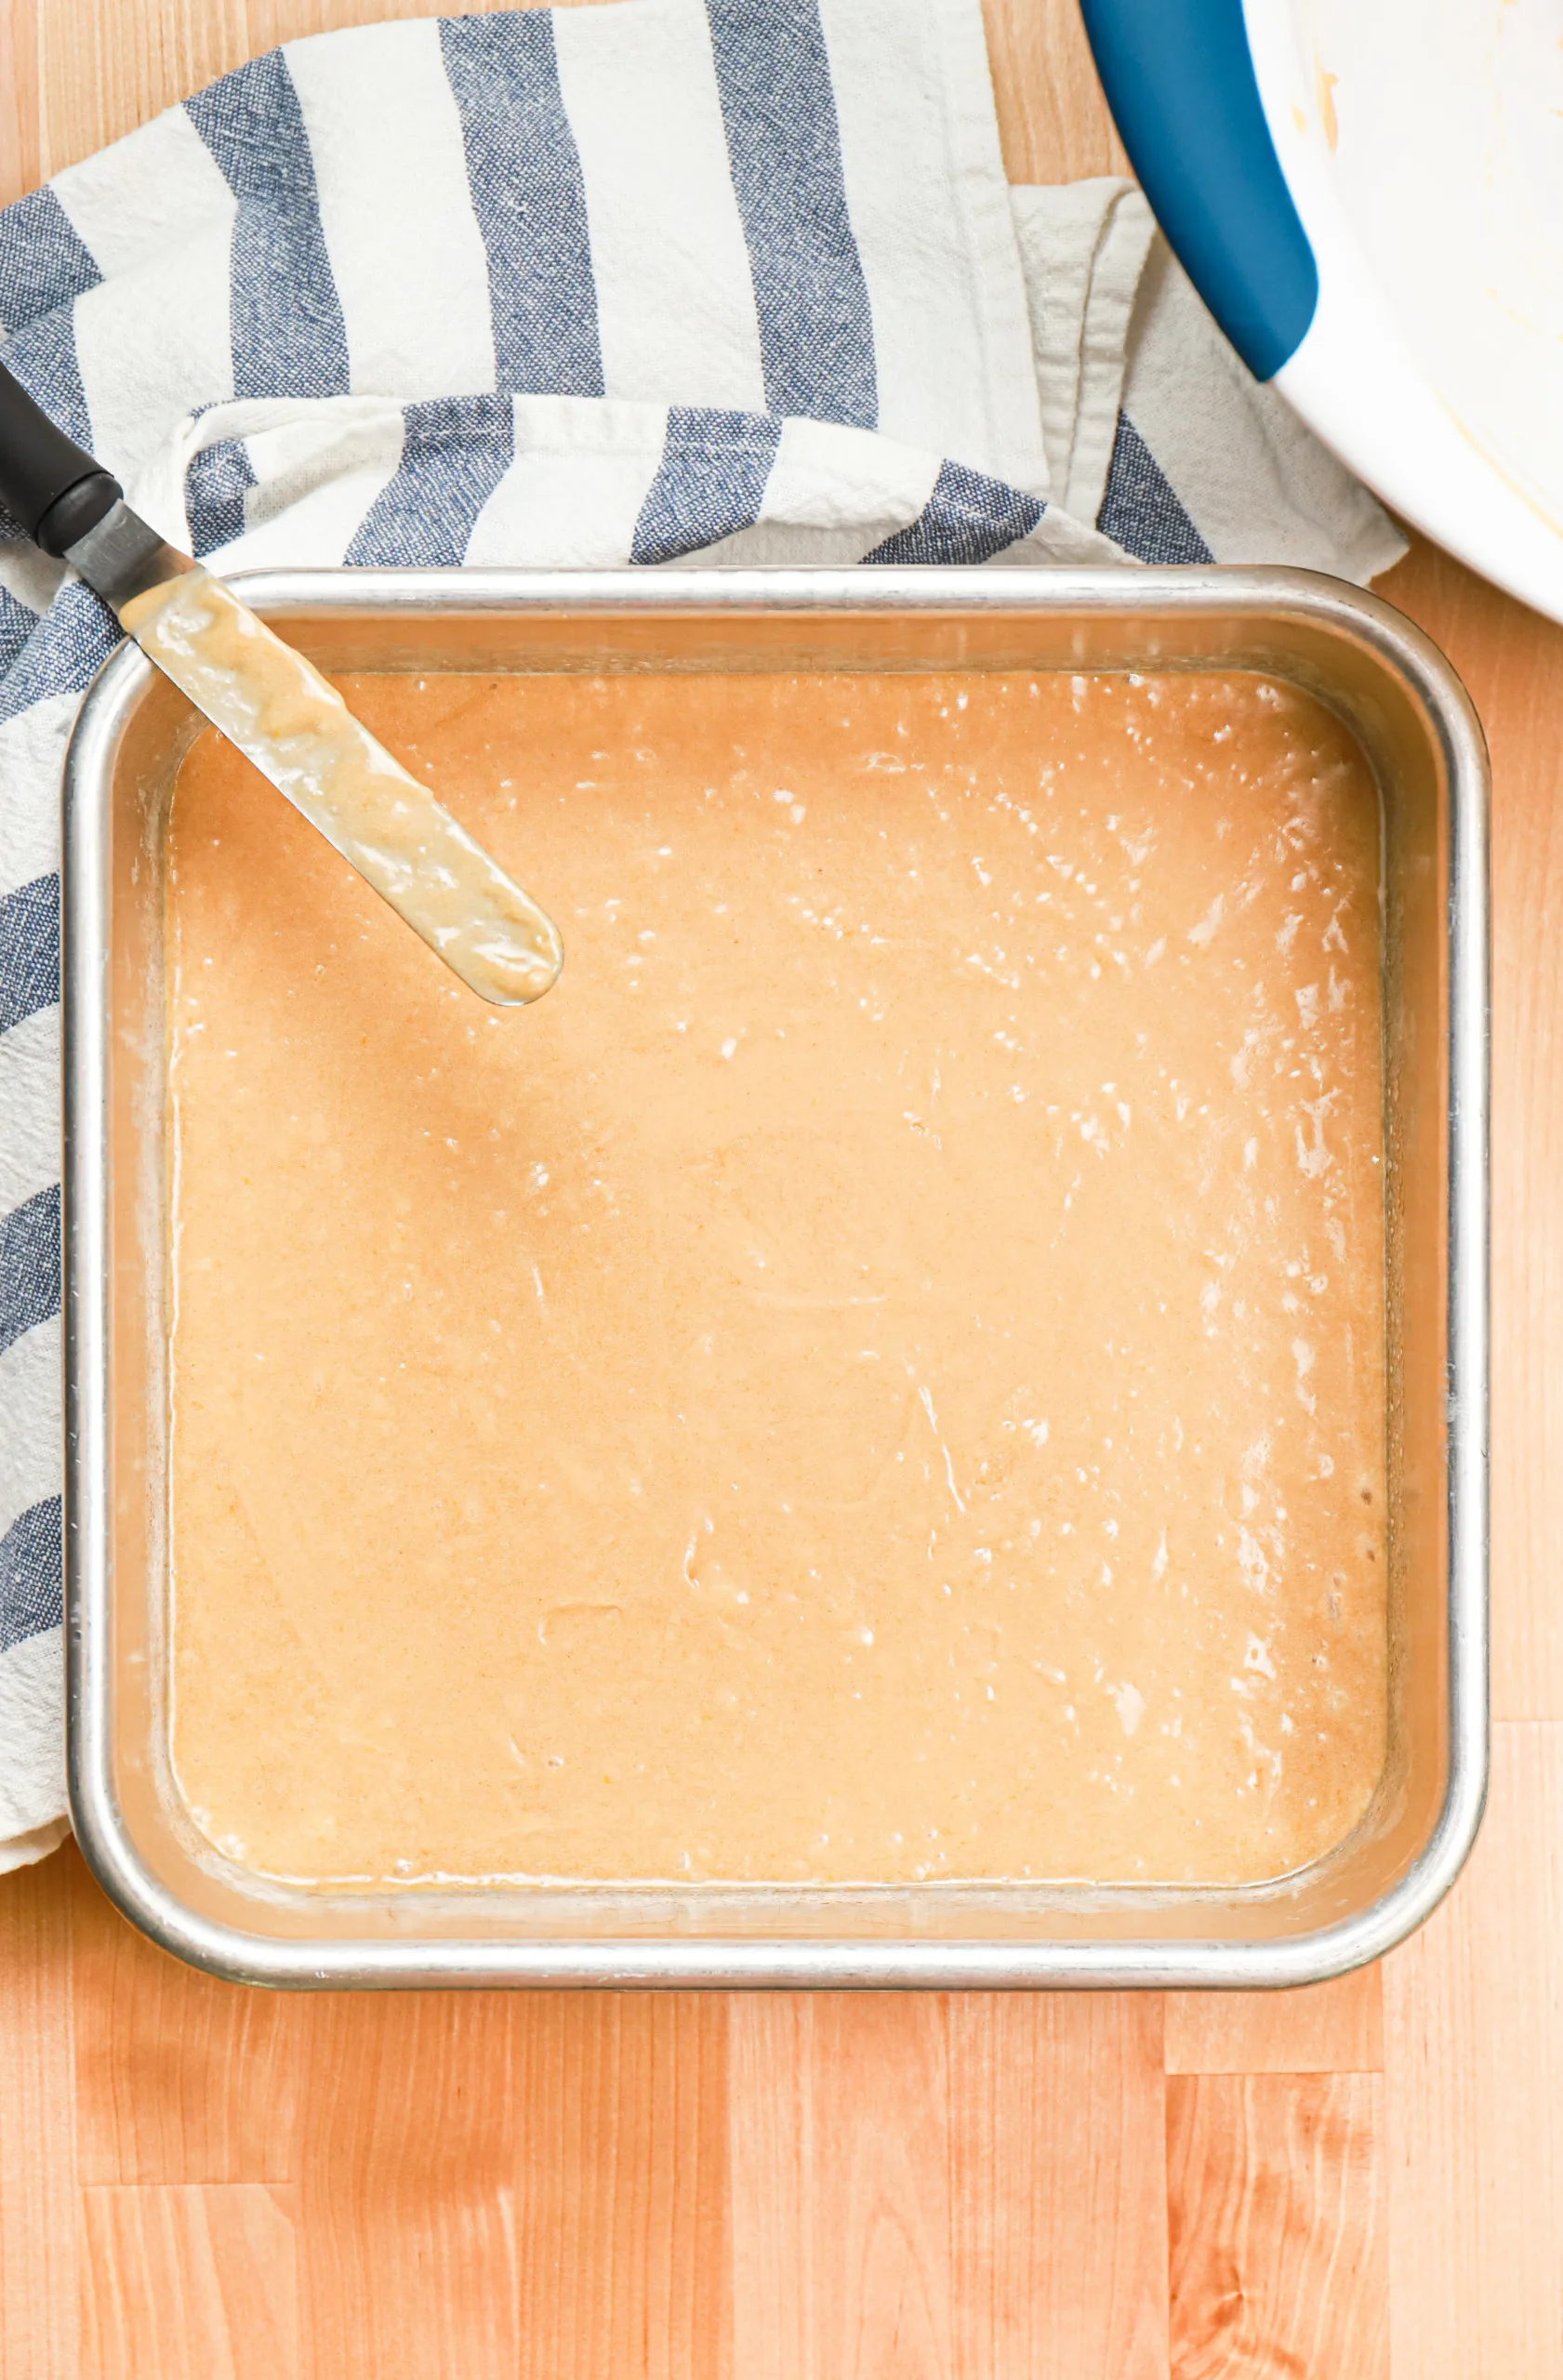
(202,2184)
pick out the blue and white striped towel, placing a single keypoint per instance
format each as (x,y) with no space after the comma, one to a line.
(730,280)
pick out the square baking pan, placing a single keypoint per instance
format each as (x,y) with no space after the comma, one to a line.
(1408,712)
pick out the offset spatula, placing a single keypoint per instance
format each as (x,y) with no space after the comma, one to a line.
(280,711)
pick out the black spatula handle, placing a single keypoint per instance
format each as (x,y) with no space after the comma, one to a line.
(54,488)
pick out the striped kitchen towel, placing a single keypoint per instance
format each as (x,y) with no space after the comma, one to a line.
(728,281)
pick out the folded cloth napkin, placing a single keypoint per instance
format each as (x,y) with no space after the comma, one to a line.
(710,281)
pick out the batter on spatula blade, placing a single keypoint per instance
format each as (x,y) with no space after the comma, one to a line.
(278,710)
(283,715)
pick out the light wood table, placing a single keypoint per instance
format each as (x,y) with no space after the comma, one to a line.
(198,2183)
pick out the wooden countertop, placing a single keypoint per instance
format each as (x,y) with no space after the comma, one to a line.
(199,2182)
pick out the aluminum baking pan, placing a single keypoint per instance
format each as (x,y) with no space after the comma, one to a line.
(1407,708)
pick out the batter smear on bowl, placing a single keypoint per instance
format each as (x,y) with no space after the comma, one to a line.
(878,1377)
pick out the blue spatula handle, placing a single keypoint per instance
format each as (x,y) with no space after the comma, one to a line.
(1180,80)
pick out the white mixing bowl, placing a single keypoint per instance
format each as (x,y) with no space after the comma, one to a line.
(1369,195)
